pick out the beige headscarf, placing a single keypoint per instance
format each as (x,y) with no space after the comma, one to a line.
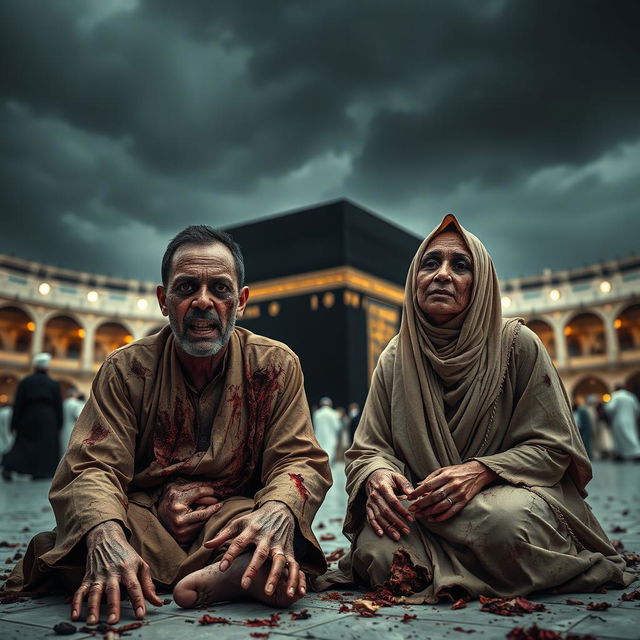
(460,363)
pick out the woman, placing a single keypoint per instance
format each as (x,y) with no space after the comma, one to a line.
(467,456)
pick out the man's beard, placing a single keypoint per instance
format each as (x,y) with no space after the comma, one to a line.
(203,348)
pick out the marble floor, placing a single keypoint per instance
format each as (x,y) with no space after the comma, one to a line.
(614,496)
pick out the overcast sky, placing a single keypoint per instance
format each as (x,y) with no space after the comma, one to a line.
(124,120)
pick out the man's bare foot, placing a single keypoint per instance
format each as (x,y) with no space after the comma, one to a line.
(206,586)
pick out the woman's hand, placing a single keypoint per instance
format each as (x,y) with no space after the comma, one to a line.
(385,512)
(112,562)
(448,490)
(271,530)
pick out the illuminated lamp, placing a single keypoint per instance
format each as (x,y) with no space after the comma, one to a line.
(568,331)
(128,339)
(606,397)
(554,294)
(604,286)
(506,302)
(81,333)
(617,323)
(31,326)
(142,304)
(44,288)
(92,296)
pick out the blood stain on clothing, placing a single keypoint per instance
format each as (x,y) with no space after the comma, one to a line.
(405,578)
(138,369)
(260,391)
(98,433)
(173,440)
(298,480)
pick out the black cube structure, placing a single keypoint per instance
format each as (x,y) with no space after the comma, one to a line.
(328,281)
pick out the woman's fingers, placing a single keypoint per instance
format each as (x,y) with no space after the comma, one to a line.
(375,525)
(388,514)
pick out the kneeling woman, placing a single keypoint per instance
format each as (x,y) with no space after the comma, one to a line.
(467,456)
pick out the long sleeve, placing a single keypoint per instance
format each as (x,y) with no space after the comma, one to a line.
(91,482)
(373,447)
(542,442)
(295,469)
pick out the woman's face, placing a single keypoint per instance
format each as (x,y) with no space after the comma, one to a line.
(445,276)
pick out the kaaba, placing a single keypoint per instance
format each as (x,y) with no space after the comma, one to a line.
(328,281)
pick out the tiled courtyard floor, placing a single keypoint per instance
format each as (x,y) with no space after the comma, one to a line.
(614,496)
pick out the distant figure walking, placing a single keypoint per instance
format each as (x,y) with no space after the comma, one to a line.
(6,437)
(71,408)
(328,427)
(36,423)
(624,409)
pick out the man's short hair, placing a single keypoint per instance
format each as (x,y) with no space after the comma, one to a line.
(203,234)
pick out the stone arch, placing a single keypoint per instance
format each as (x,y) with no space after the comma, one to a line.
(8,384)
(108,337)
(589,386)
(16,329)
(627,326)
(63,337)
(544,331)
(585,335)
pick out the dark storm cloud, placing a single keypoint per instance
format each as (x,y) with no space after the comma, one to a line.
(125,120)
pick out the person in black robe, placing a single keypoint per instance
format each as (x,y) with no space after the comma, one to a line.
(36,423)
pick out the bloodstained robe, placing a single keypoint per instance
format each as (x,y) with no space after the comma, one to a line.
(249,431)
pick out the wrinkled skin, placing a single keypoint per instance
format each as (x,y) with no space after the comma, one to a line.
(445,277)
(385,512)
(185,507)
(459,482)
(271,529)
(112,562)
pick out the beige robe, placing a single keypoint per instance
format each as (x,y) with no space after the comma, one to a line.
(529,532)
(249,431)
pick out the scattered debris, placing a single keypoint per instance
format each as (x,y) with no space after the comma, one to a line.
(461,630)
(631,558)
(632,595)
(572,601)
(625,512)
(327,536)
(331,595)
(320,525)
(344,608)
(598,606)
(509,606)
(207,619)
(11,598)
(617,544)
(25,530)
(300,615)
(535,632)
(259,634)
(64,628)
(460,603)
(366,608)
(407,618)
(618,529)
(167,601)
(272,621)
(8,545)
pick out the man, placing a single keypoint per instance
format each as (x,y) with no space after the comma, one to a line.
(71,408)
(199,433)
(328,427)
(624,409)
(36,422)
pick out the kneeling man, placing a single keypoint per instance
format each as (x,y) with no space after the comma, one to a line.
(193,464)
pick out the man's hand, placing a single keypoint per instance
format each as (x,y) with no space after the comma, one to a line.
(112,561)
(385,512)
(271,529)
(185,507)
(446,491)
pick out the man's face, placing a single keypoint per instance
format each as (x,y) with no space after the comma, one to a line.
(202,299)
(445,276)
